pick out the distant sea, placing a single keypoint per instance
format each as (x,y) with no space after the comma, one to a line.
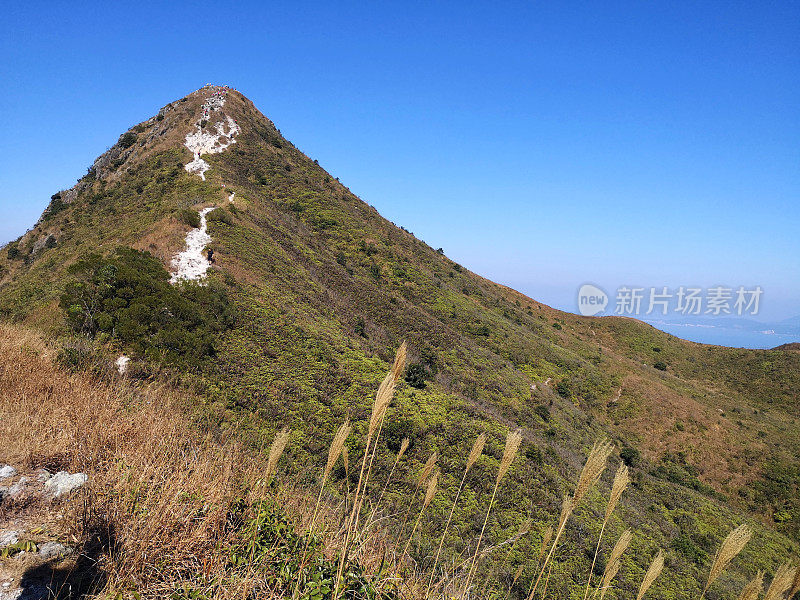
(737,333)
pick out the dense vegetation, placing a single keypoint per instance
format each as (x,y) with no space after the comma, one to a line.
(127,298)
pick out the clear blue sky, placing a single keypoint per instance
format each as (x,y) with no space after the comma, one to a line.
(644,143)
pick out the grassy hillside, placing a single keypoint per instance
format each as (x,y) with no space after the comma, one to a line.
(325,289)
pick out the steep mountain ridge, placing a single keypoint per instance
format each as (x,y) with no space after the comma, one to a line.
(326,289)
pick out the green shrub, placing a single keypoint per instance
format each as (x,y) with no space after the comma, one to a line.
(127,139)
(13,251)
(128,297)
(543,411)
(416,375)
(660,365)
(630,456)
(220,215)
(56,205)
(189,217)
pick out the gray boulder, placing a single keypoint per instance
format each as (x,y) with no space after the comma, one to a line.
(63,483)
(8,537)
(50,550)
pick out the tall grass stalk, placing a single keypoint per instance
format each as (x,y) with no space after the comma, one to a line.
(403,447)
(753,588)
(795,584)
(424,474)
(275,452)
(513,440)
(730,547)
(621,481)
(379,406)
(614,562)
(474,454)
(334,452)
(592,470)
(652,573)
(430,491)
(781,583)
(398,367)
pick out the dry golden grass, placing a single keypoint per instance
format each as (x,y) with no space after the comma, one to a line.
(157,488)
(153,513)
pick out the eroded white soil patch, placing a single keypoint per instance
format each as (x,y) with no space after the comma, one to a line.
(191,264)
(122,364)
(203,140)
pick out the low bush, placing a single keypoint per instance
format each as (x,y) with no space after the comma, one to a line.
(127,139)
(128,298)
(189,217)
(220,215)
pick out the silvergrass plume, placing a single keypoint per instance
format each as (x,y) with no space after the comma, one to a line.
(614,561)
(513,440)
(621,481)
(781,583)
(433,482)
(731,546)
(753,588)
(337,446)
(403,447)
(548,535)
(592,470)
(427,469)
(386,389)
(796,584)
(517,574)
(566,510)
(652,574)
(477,450)
(474,455)
(275,451)
(346,459)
